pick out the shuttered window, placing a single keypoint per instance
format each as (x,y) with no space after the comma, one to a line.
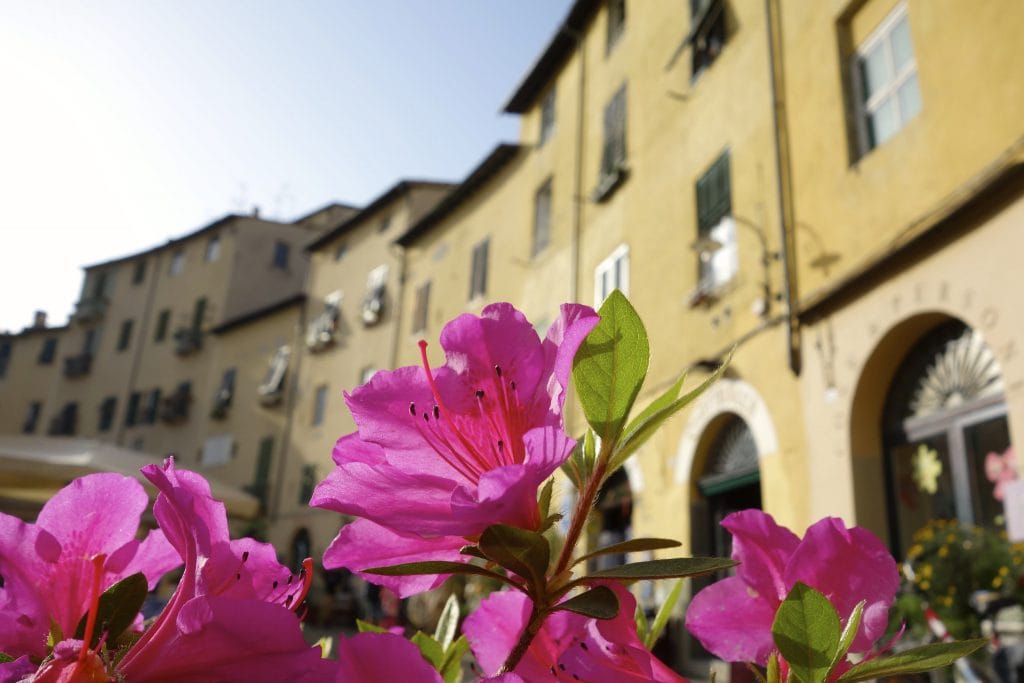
(478,275)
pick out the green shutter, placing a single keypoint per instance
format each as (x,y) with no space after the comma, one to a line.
(714,194)
(261,477)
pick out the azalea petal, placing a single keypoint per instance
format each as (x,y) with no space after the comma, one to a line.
(363,544)
(763,548)
(563,339)
(154,557)
(847,566)
(364,484)
(732,622)
(494,628)
(24,620)
(501,337)
(224,639)
(12,672)
(546,449)
(382,658)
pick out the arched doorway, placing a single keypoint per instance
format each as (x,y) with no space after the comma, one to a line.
(944,413)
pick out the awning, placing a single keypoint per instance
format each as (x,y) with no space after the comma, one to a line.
(33,468)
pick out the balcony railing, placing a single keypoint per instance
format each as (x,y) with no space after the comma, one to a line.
(187,340)
(90,308)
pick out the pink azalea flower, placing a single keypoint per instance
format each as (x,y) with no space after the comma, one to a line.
(1001,469)
(733,617)
(382,658)
(46,566)
(569,646)
(466,445)
(231,617)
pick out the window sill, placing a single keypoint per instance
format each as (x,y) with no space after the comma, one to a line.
(609,182)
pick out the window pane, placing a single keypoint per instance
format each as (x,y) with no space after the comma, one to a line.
(902,52)
(876,70)
(883,122)
(910,98)
(985,444)
(923,485)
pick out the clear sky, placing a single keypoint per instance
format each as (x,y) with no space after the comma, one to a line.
(123,124)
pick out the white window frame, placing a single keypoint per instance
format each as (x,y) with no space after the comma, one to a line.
(722,265)
(867,107)
(619,257)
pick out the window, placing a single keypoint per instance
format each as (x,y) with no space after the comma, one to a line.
(66,421)
(139,272)
(707,32)
(373,302)
(547,117)
(217,450)
(5,357)
(385,223)
(613,154)
(174,408)
(213,248)
(616,22)
(419,316)
(226,391)
(48,351)
(35,408)
(478,274)
(162,322)
(308,484)
(177,263)
(340,252)
(271,391)
(107,409)
(716,230)
(152,408)
(198,313)
(91,343)
(281,250)
(261,476)
(124,339)
(320,405)
(542,218)
(611,274)
(131,415)
(885,80)
(320,333)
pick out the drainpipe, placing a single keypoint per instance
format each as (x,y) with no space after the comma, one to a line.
(784,187)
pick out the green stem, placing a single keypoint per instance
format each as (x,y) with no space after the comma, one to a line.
(580,514)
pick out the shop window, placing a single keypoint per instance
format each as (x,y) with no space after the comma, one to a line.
(885,81)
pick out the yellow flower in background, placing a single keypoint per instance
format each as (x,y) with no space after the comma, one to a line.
(997,582)
(927,468)
(944,551)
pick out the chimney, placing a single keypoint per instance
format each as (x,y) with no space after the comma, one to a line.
(39,320)
(255,211)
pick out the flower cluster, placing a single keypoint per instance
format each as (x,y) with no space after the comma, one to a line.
(449,472)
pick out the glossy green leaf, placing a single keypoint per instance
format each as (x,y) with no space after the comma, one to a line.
(806,632)
(472,551)
(599,602)
(634,545)
(916,660)
(662,617)
(367,627)
(4,658)
(435,567)
(610,366)
(524,553)
(118,607)
(448,622)
(544,499)
(665,569)
(451,665)
(429,648)
(642,626)
(661,409)
(773,673)
(848,635)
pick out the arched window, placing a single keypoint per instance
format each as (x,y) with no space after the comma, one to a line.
(944,414)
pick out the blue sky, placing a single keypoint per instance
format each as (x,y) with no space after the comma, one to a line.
(127,123)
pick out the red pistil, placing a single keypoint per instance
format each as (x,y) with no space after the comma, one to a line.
(307,581)
(94,604)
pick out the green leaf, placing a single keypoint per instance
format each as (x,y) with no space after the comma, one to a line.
(916,660)
(448,622)
(642,627)
(849,633)
(610,366)
(367,627)
(635,545)
(451,666)
(522,552)
(4,658)
(544,499)
(665,569)
(117,609)
(435,567)
(661,409)
(806,632)
(472,551)
(773,674)
(429,648)
(599,602)
(664,612)
(549,522)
